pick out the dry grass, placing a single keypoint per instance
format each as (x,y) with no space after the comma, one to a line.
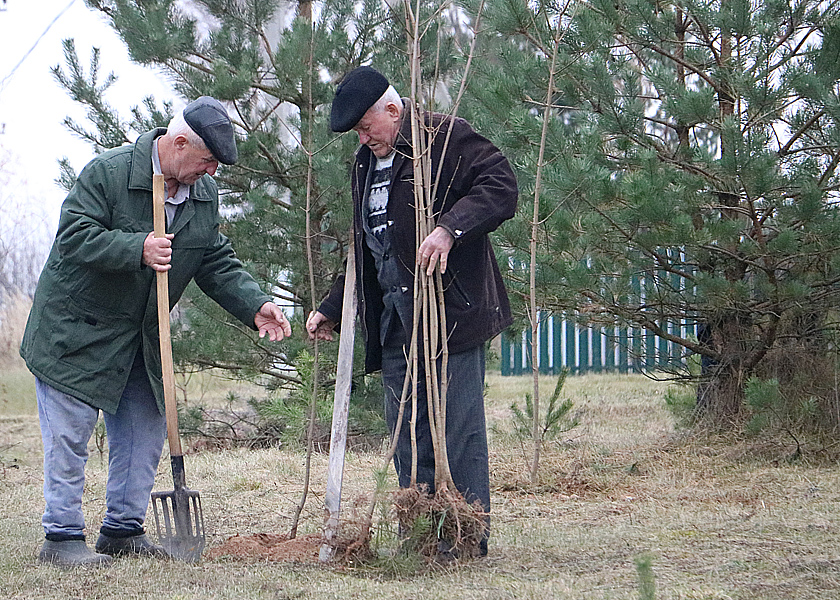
(719,522)
(17,391)
(17,386)
(14,310)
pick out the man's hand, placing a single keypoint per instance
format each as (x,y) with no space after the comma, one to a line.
(319,325)
(157,252)
(435,247)
(271,320)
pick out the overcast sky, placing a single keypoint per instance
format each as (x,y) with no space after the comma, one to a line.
(33,105)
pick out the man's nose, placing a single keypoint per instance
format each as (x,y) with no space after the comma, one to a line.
(363,138)
(211,168)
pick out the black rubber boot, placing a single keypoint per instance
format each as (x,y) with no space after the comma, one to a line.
(71,553)
(135,545)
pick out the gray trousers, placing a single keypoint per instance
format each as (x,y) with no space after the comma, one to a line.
(466,432)
(135,440)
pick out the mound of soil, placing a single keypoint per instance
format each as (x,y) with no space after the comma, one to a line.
(270,547)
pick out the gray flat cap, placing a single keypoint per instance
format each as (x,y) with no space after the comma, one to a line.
(209,119)
(357,92)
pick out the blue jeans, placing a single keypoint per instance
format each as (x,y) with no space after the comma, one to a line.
(466,432)
(135,441)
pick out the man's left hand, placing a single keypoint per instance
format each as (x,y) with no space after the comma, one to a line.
(271,320)
(435,247)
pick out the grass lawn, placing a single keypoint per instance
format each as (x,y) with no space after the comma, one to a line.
(717,519)
(17,390)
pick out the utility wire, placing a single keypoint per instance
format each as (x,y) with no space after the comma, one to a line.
(5,81)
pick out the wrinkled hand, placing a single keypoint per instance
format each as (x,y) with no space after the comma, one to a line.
(157,252)
(435,247)
(319,325)
(272,321)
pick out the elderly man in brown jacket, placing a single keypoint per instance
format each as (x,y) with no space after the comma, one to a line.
(477,193)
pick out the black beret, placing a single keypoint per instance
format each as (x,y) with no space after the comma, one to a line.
(209,119)
(357,92)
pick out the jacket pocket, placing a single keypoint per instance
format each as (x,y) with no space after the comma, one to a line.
(86,335)
(457,293)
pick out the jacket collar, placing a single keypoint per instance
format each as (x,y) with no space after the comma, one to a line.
(140,177)
(403,141)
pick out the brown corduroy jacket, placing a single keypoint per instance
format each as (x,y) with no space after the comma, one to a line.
(476,193)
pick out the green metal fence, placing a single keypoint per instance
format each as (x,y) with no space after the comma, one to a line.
(563,343)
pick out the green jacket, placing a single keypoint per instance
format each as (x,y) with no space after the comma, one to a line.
(96,302)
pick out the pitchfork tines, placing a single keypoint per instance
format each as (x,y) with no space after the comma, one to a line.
(179,519)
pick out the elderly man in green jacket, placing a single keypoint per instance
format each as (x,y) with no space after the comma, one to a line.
(92,340)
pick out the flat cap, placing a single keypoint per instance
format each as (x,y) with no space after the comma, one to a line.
(357,92)
(209,119)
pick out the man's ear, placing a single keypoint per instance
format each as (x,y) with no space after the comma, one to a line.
(180,142)
(393,109)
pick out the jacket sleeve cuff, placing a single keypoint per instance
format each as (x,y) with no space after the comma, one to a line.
(330,311)
(456,234)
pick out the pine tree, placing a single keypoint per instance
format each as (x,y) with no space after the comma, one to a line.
(255,57)
(276,69)
(691,166)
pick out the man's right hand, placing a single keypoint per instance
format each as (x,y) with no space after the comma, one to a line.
(319,325)
(157,252)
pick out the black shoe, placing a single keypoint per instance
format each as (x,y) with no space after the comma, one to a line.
(135,545)
(71,553)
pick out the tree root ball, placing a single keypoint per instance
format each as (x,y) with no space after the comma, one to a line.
(442,522)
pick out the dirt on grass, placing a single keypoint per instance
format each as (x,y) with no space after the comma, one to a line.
(270,547)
